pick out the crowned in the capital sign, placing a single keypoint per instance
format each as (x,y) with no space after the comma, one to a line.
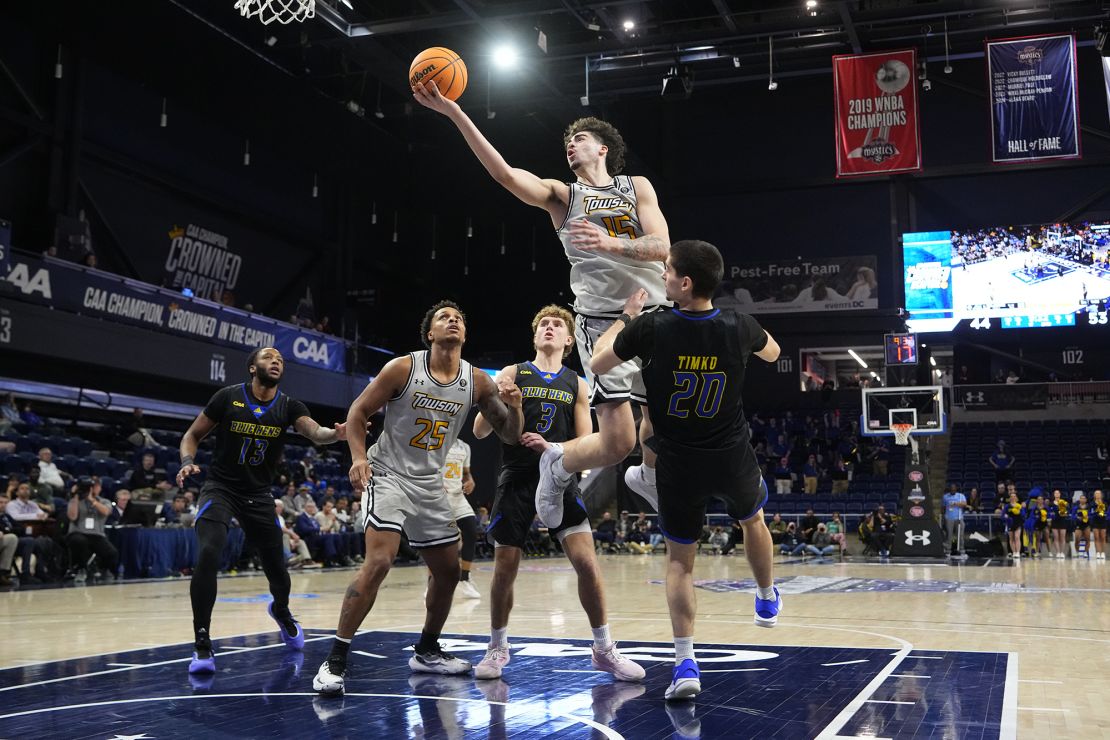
(1034,100)
(876,113)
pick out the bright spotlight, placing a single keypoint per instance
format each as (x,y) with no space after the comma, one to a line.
(505,56)
(628,25)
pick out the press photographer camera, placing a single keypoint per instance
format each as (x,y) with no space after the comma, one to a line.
(87,512)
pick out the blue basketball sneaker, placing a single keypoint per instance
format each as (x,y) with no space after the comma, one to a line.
(204,660)
(291,632)
(685,681)
(767,611)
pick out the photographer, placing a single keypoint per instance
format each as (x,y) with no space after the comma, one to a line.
(87,512)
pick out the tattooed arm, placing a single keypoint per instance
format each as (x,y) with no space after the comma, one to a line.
(499,404)
(308,428)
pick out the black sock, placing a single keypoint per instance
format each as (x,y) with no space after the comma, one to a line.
(464,575)
(283,615)
(428,642)
(202,641)
(339,650)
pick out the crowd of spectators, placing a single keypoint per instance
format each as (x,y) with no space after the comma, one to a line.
(1074,242)
(57,520)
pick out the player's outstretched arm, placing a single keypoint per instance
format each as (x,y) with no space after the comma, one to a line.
(770,351)
(387,384)
(500,404)
(604,358)
(311,430)
(482,428)
(197,431)
(653,246)
(550,195)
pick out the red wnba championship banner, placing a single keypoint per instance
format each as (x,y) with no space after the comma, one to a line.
(876,113)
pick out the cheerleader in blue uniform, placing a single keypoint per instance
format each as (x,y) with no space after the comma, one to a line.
(1036,523)
(1098,525)
(1081,516)
(1013,521)
(1060,511)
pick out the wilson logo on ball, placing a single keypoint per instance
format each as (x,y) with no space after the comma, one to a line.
(422,73)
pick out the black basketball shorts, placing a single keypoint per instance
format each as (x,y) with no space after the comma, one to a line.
(254,511)
(514,507)
(687,478)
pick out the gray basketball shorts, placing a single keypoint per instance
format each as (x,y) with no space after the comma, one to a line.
(392,503)
(619,384)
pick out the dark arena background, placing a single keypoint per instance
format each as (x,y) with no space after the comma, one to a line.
(911,196)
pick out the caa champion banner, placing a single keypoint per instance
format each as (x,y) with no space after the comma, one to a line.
(876,113)
(1034,100)
(800,286)
(66,287)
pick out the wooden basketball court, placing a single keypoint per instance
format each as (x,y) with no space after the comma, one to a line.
(862,649)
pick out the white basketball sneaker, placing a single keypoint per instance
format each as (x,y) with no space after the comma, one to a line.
(635,480)
(497,657)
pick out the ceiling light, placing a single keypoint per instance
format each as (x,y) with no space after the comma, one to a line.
(628,25)
(811,6)
(857,358)
(933,361)
(505,56)
(736,62)
(772,85)
(271,40)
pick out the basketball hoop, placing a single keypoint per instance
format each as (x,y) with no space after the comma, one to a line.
(901,433)
(282,11)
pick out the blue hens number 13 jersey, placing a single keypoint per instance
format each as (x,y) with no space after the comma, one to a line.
(249,436)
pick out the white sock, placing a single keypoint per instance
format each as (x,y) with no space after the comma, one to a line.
(683,649)
(344,639)
(767,594)
(648,473)
(499,637)
(602,640)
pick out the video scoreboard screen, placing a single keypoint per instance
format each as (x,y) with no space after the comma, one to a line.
(1008,277)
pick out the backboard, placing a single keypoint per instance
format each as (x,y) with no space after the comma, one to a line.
(922,406)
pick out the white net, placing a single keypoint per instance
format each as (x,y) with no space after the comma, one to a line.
(901,433)
(282,11)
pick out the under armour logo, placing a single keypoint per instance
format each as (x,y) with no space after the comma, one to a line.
(922,539)
(419,381)
(970,397)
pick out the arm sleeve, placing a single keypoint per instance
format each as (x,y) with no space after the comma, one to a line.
(297,409)
(635,340)
(217,405)
(753,336)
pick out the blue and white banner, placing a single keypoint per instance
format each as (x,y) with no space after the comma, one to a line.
(68,287)
(1034,98)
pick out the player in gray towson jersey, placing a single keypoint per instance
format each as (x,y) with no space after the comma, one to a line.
(422,423)
(599,280)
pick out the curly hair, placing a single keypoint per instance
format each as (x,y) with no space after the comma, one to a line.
(426,322)
(607,134)
(557,312)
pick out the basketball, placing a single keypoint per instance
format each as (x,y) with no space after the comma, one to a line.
(444,67)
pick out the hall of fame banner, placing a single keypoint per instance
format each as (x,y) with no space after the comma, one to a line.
(1034,98)
(877,128)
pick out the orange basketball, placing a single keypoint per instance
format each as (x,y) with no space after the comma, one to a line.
(442,66)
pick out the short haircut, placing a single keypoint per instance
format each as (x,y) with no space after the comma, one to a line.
(701,262)
(252,358)
(556,312)
(426,323)
(607,134)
